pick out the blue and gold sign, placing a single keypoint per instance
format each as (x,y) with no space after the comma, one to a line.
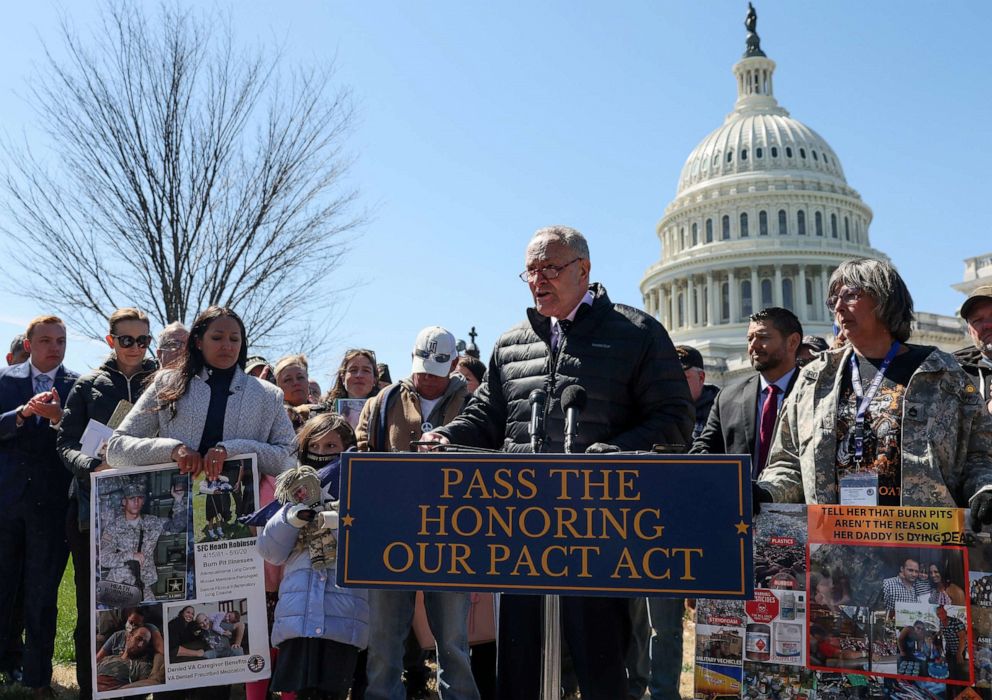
(662,525)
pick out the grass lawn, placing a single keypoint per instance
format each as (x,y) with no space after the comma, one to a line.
(64,651)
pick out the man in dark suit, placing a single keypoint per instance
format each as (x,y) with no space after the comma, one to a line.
(34,489)
(743,416)
(10,657)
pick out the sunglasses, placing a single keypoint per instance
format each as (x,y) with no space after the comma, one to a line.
(127,341)
(438,357)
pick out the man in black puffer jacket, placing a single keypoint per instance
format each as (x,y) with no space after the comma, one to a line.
(637,397)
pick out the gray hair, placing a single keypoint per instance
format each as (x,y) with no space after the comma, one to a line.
(880,279)
(568,236)
(173,327)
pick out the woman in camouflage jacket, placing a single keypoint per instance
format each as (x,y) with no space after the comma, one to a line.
(926,432)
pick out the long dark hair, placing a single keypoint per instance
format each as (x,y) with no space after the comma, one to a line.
(192,363)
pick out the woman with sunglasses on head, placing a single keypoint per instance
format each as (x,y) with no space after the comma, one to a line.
(881,421)
(356,377)
(116,384)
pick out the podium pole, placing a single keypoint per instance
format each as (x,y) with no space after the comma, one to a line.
(551,661)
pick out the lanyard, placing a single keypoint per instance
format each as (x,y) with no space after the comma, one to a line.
(864,398)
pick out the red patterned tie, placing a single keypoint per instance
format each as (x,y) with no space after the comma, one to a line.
(768,413)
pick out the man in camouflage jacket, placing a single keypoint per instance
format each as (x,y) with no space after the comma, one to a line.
(127,544)
(946,437)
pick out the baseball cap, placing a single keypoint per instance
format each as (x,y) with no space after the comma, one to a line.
(689,357)
(978,294)
(815,343)
(256,361)
(134,488)
(433,352)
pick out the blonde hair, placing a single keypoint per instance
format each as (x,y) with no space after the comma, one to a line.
(291,361)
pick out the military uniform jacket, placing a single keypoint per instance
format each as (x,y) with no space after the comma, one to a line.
(946,440)
(119,540)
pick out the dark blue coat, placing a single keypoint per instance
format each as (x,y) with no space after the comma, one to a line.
(30,467)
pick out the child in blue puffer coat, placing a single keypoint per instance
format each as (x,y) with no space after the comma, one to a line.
(319,628)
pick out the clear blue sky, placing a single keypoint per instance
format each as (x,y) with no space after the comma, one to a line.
(480,122)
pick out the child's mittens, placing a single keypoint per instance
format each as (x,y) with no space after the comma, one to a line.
(299,515)
(328,520)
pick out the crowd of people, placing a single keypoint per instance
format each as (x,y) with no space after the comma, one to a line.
(819,421)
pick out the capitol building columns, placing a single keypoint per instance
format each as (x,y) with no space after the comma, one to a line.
(711,295)
(701,302)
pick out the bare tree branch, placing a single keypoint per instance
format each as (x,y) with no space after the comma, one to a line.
(182,172)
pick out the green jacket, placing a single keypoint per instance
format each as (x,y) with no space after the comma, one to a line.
(946,436)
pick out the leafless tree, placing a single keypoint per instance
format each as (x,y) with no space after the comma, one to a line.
(182,172)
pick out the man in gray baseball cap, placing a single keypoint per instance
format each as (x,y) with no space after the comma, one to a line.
(977,360)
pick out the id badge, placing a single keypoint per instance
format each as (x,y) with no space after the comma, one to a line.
(859,490)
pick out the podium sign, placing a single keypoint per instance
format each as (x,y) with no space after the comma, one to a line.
(618,525)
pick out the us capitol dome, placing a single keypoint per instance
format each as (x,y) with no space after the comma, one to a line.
(762,216)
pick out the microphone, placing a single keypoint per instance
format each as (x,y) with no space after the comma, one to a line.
(573,400)
(538,399)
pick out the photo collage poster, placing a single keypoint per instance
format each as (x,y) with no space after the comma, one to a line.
(886,602)
(178,592)
(351,409)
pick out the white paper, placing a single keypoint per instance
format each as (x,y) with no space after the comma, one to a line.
(94,440)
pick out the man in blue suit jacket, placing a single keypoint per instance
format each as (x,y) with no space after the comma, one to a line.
(34,487)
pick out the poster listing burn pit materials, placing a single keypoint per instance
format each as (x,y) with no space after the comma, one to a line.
(864,636)
(571,524)
(178,595)
(757,648)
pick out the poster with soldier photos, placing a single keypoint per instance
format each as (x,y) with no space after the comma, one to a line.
(886,602)
(178,590)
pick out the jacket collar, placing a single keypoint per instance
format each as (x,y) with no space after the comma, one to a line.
(586,315)
(830,361)
(238,381)
(23,371)
(148,366)
(455,383)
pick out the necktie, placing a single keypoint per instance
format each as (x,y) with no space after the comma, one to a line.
(42,383)
(769,411)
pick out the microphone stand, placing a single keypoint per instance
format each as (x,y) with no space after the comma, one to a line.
(538,405)
(551,633)
(551,658)
(573,400)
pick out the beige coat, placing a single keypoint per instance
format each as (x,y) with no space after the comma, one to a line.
(404,421)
